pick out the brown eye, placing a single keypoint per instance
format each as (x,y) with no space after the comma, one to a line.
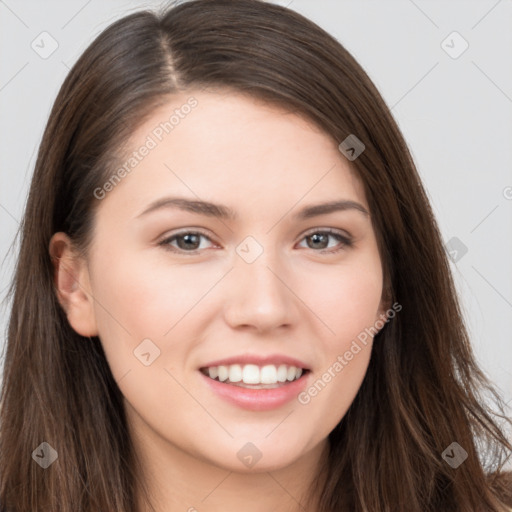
(319,240)
(188,241)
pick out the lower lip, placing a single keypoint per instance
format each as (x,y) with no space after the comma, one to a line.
(258,399)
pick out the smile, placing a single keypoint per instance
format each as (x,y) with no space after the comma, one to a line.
(256,388)
(249,375)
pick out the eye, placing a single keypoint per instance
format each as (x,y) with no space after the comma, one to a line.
(190,241)
(187,241)
(320,240)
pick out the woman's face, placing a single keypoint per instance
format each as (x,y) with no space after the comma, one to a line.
(252,280)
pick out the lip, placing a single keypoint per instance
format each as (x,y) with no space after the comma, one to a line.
(258,399)
(275,359)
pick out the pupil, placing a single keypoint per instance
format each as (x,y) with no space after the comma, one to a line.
(188,238)
(316,238)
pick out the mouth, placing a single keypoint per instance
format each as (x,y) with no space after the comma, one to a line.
(252,376)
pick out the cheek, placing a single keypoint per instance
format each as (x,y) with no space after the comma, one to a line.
(349,302)
(147,299)
(346,299)
(350,312)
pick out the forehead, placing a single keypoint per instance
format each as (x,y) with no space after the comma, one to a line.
(223,144)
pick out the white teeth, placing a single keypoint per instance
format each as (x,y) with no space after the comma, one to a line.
(282,373)
(291,373)
(223,373)
(253,374)
(235,373)
(268,374)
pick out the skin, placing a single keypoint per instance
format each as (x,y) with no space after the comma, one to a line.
(205,304)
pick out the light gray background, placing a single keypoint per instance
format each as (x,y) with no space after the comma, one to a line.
(455,114)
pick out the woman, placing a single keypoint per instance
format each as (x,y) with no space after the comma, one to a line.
(231,290)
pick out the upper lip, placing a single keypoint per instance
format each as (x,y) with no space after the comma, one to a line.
(275,359)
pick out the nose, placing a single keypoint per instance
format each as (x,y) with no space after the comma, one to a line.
(259,295)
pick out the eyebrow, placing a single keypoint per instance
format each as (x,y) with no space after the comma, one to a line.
(225,212)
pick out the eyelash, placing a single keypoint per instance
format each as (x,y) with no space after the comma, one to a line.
(346,241)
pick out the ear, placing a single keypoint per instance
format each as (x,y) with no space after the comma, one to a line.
(72,285)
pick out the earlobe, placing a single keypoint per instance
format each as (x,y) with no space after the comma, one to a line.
(72,285)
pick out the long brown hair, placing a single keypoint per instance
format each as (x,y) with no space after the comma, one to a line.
(423,390)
